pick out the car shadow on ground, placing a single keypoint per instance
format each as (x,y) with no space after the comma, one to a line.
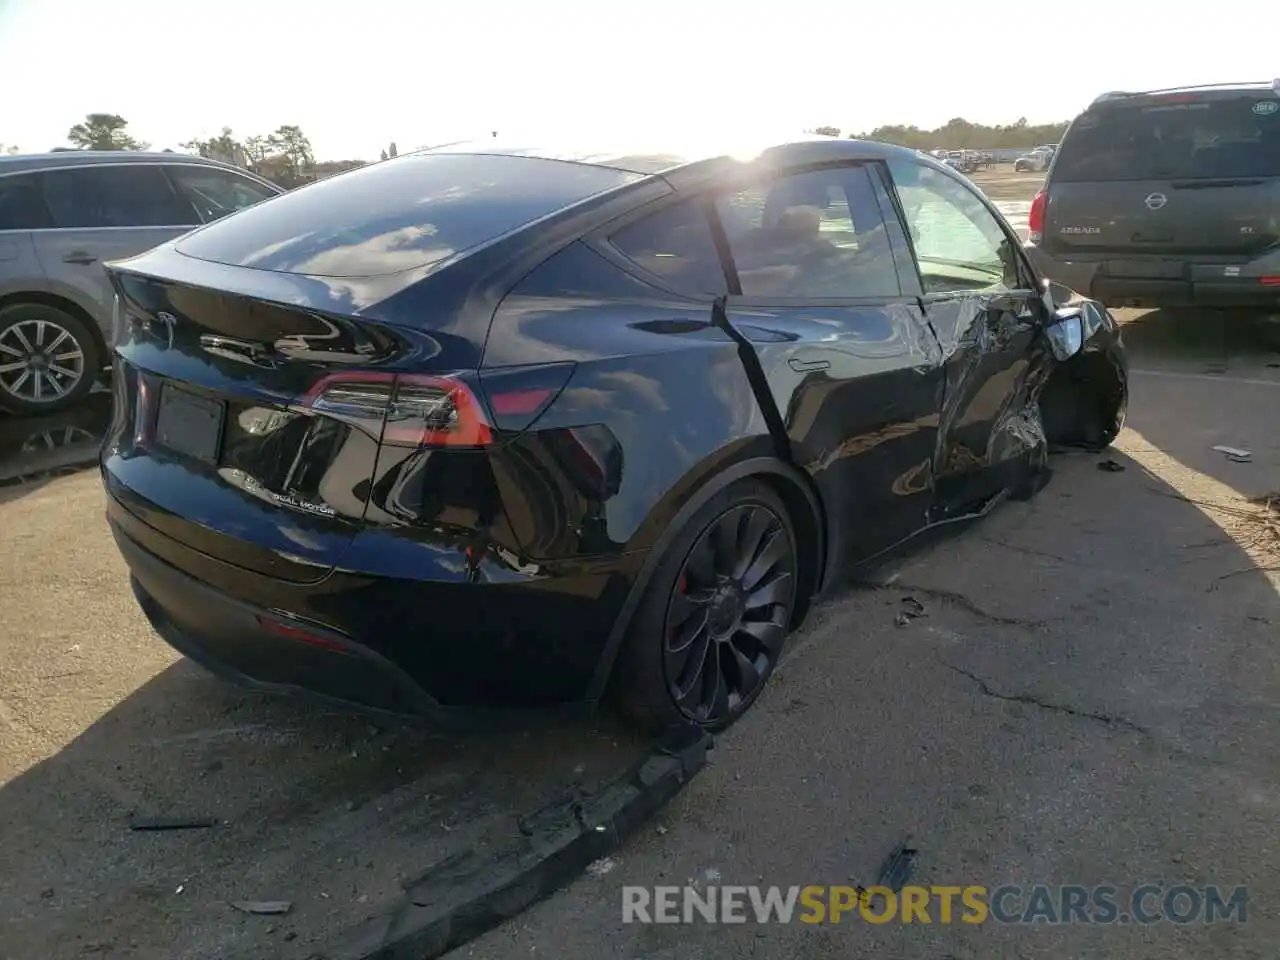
(1208,339)
(330,811)
(34,450)
(1206,380)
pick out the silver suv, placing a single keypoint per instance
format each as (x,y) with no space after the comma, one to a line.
(62,215)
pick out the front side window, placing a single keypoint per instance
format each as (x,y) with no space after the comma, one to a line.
(675,245)
(816,235)
(21,206)
(114,195)
(959,244)
(215,193)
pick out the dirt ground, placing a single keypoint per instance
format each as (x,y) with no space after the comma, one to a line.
(1002,184)
(1090,698)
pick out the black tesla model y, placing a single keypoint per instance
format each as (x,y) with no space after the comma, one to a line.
(485,431)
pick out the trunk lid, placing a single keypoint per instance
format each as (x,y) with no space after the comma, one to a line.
(1185,175)
(218,440)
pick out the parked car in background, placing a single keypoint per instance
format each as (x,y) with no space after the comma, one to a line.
(961,160)
(1167,198)
(62,215)
(485,429)
(1037,161)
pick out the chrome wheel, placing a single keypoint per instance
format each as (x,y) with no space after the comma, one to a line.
(40,361)
(729,613)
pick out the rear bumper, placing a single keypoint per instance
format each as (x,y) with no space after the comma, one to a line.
(1197,288)
(378,644)
(229,638)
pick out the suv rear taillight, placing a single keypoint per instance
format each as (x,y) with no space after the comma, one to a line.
(1035,219)
(418,410)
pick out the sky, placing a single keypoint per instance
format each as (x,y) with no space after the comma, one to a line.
(357,76)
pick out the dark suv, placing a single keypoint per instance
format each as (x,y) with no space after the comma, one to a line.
(1168,198)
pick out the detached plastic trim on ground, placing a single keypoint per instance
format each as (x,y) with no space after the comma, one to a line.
(466,895)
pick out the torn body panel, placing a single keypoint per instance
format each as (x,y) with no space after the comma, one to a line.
(1008,400)
(1084,401)
(989,437)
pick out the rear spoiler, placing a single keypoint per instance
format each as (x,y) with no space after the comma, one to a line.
(1112,95)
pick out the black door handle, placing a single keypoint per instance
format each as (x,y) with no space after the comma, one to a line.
(79,256)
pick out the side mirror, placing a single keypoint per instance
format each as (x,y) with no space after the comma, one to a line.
(1058,295)
(1066,332)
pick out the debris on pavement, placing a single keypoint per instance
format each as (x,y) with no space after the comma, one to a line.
(602,866)
(897,867)
(1235,454)
(269,908)
(909,609)
(172,823)
(1110,466)
(470,892)
(1264,524)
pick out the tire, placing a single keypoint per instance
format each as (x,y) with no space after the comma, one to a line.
(735,607)
(30,389)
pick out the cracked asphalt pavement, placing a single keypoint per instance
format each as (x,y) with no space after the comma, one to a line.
(1089,696)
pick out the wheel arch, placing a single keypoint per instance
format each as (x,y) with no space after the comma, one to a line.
(808,518)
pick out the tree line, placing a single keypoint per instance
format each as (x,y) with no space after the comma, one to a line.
(284,156)
(960,134)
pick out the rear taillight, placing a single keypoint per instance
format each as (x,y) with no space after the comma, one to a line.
(410,409)
(436,412)
(1035,219)
(1270,281)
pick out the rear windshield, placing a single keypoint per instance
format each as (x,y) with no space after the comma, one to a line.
(398,215)
(1234,137)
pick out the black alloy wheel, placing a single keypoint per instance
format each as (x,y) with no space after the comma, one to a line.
(715,614)
(728,614)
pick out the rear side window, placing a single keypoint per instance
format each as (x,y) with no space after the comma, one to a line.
(114,195)
(21,206)
(1233,137)
(398,215)
(817,235)
(215,193)
(675,244)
